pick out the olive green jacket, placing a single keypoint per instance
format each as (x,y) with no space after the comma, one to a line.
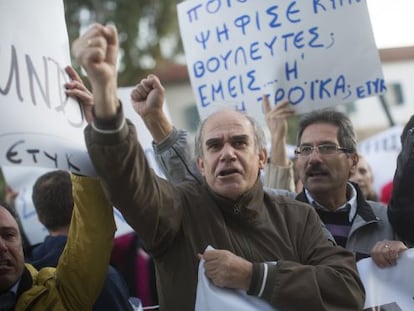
(178,221)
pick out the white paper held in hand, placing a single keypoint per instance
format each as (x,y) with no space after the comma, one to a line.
(210,297)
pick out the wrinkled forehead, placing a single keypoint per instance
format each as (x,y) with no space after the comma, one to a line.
(227,123)
(319,133)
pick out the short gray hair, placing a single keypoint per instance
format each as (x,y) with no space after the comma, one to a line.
(259,135)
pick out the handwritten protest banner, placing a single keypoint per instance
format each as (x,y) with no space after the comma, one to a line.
(41,129)
(37,119)
(39,125)
(313,53)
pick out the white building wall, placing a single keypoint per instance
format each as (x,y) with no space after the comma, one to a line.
(370,114)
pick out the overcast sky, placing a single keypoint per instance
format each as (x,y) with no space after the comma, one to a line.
(392,22)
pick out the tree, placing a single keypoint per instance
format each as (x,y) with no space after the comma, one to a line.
(148,31)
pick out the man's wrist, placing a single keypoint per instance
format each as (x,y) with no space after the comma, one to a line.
(105,100)
(159,127)
(109,124)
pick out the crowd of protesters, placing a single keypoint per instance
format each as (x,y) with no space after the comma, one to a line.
(293,243)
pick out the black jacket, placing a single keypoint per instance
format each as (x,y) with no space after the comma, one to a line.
(401,205)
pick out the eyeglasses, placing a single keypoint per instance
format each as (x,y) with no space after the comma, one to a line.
(324,149)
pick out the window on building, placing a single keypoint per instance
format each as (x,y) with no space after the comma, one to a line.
(394,95)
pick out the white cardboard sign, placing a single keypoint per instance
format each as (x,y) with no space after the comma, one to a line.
(39,125)
(41,129)
(314,53)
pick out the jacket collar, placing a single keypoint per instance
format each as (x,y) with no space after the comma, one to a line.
(247,207)
(26,282)
(364,210)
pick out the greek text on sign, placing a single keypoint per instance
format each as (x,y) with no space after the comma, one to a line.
(307,52)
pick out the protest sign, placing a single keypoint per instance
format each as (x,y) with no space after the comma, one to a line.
(306,52)
(381,151)
(40,129)
(389,289)
(37,119)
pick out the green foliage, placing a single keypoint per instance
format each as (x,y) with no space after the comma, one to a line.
(148,31)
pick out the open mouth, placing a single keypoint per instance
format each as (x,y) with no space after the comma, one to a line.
(228,172)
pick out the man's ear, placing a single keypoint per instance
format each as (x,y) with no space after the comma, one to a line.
(262,158)
(200,165)
(354,158)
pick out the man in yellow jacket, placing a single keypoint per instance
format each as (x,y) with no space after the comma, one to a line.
(77,280)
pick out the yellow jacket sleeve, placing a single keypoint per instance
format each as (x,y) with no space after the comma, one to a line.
(84,263)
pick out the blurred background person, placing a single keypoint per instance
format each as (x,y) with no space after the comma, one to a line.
(136,267)
(364,178)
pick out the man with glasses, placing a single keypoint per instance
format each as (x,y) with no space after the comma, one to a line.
(326,157)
